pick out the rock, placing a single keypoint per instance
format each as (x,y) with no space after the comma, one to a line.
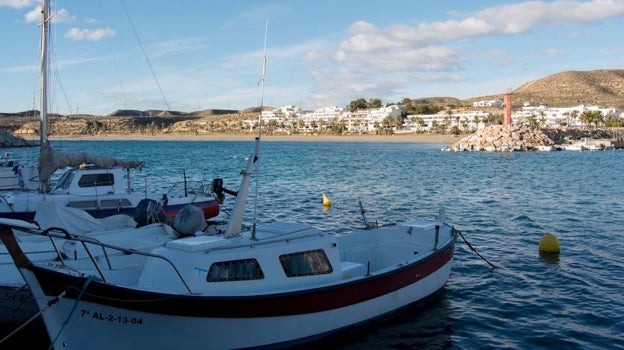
(504,138)
(9,140)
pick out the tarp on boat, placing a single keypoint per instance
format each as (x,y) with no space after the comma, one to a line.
(77,221)
(50,161)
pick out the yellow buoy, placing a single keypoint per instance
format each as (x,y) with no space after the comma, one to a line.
(326,201)
(549,244)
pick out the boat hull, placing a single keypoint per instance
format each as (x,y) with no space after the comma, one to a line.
(210,208)
(17,304)
(131,318)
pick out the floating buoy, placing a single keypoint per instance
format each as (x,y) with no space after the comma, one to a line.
(549,244)
(326,201)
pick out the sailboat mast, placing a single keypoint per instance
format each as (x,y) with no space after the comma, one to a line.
(43,113)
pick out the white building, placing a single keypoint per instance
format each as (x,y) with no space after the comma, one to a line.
(287,118)
(471,121)
(552,117)
(488,103)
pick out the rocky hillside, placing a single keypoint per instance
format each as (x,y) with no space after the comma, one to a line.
(597,87)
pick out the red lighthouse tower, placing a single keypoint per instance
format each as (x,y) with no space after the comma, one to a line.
(507,106)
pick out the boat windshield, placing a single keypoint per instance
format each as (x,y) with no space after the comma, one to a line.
(64,181)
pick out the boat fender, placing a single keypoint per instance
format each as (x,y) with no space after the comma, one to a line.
(189,220)
(149,211)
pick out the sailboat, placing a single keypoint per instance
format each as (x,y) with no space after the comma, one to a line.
(18,174)
(274,284)
(92,187)
(98,184)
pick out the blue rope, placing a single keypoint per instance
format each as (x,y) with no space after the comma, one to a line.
(84,287)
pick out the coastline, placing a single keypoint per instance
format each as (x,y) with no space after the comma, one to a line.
(411,137)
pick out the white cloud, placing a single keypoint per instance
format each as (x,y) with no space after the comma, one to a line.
(34,15)
(381,54)
(362,27)
(89,34)
(556,52)
(62,16)
(523,17)
(16,4)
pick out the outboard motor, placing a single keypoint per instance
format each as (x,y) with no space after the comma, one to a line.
(149,211)
(189,220)
(217,188)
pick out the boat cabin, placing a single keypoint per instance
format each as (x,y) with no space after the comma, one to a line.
(91,181)
(281,257)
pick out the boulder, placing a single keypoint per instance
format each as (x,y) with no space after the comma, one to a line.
(504,138)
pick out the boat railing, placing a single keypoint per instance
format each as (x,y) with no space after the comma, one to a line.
(60,233)
(256,243)
(194,187)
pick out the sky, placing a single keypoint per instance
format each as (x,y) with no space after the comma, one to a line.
(189,55)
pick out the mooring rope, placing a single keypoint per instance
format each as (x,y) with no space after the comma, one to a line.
(474,250)
(34,317)
(24,301)
(71,312)
(10,295)
(23,325)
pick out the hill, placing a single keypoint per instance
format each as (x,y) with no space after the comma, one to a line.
(603,87)
(598,87)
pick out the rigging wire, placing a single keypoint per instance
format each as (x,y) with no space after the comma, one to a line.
(136,35)
(54,65)
(110,48)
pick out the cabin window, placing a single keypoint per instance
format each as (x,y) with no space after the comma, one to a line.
(235,270)
(83,204)
(312,262)
(93,180)
(115,203)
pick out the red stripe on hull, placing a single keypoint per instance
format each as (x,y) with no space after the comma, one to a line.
(282,304)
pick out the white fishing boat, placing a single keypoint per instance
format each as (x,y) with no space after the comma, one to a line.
(283,283)
(545,148)
(101,185)
(279,283)
(103,188)
(584,144)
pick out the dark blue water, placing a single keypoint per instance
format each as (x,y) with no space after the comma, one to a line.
(503,204)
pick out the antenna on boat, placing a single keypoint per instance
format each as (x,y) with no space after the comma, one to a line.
(261,82)
(235,225)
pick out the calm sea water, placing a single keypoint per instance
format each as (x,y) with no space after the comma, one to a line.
(503,204)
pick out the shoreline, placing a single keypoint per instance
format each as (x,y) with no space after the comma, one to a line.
(416,138)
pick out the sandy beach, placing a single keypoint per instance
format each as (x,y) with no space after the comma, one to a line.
(421,138)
